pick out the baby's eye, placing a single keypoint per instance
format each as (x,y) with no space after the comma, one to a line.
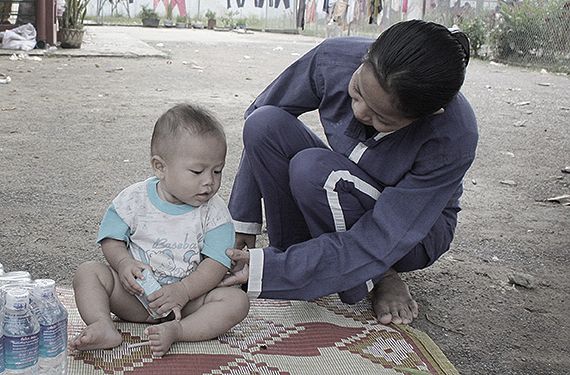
(195,172)
(218,172)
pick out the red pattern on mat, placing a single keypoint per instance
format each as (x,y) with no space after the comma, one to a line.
(276,338)
(308,341)
(186,364)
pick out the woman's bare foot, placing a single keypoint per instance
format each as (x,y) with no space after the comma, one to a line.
(392,301)
(98,335)
(161,336)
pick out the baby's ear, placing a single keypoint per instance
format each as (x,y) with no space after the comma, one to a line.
(158,166)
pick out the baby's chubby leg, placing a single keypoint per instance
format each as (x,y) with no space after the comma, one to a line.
(98,292)
(204,318)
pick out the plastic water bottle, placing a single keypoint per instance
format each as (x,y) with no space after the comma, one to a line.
(52,317)
(149,285)
(21,334)
(11,280)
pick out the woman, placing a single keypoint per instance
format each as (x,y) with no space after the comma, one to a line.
(383,196)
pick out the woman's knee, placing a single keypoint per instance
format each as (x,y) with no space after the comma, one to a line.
(416,259)
(308,171)
(433,246)
(263,123)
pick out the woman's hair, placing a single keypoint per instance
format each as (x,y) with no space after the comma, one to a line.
(189,118)
(421,64)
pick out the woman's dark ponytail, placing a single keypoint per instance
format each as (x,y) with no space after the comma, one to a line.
(463,40)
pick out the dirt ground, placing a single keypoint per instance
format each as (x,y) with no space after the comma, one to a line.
(74,131)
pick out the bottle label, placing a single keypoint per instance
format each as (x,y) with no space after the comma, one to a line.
(21,352)
(63,329)
(52,340)
(150,285)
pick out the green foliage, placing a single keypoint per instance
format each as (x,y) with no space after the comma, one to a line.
(211,15)
(254,21)
(531,30)
(74,14)
(241,22)
(228,19)
(147,13)
(519,29)
(533,33)
(180,19)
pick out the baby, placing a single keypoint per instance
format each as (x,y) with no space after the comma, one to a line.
(174,229)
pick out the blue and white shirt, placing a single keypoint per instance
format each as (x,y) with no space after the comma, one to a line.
(171,238)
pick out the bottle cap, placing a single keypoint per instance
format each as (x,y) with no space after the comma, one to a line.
(17,298)
(44,288)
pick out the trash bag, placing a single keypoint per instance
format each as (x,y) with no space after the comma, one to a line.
(22,37)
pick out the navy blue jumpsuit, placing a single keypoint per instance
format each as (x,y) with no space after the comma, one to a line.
(340,214)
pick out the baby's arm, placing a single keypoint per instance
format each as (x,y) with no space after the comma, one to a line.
(206,277)
(175,296)
(124,264)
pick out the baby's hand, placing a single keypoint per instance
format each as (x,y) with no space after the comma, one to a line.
(172,297)
(130,269)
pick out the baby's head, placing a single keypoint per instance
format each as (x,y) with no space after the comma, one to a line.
(188,152)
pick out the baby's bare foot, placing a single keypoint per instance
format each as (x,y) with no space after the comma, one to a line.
(161,336)
(392,301)
(97,335)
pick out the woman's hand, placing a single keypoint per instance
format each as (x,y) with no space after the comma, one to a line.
(245,240)
(239,273)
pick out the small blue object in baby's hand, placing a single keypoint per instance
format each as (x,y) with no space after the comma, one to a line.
(150,285)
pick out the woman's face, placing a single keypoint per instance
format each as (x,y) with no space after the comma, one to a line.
(371,104)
